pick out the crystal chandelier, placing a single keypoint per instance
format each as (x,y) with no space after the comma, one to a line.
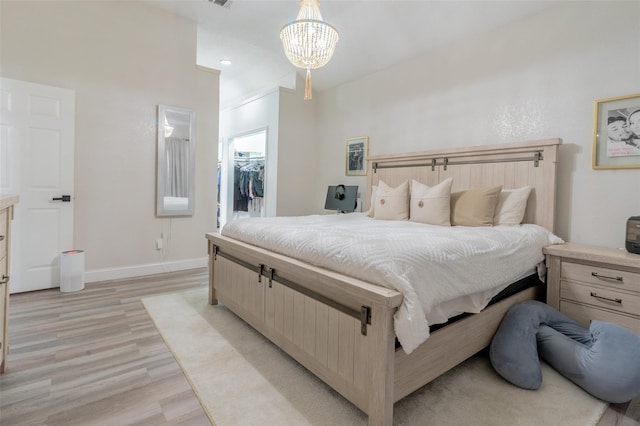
(308,41)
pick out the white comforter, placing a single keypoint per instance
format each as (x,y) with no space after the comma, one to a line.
(428,264)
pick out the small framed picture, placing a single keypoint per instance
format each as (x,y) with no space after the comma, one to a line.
(357,150)
(616,133)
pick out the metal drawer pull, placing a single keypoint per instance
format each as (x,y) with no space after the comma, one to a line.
(593,294)
(5,279)
(604,277)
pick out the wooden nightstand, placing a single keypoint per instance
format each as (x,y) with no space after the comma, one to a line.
(588,282)
(6,214)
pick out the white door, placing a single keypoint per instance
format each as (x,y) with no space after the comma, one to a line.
(37,137)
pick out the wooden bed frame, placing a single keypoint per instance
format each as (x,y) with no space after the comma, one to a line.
(341,328)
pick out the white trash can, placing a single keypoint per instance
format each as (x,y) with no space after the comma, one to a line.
(71,271)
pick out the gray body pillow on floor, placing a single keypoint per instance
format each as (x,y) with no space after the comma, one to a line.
(604,360)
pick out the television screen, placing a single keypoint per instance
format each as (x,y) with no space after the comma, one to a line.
(343,198)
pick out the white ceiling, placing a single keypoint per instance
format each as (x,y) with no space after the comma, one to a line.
(374,35)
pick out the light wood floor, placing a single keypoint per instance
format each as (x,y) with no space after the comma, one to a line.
(95,358)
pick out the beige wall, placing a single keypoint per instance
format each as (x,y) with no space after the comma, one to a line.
(122,59)
(297,154)
(534,79)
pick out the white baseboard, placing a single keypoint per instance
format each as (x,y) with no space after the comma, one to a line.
(141,270)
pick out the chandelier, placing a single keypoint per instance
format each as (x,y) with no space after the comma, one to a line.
(308,41)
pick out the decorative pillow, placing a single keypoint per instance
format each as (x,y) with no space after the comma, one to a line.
(512,204)
(372,201)
(474,207)
(431,205)
(602,359)
(392,203)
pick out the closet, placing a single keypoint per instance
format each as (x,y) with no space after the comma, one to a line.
(248,185)
(242,177)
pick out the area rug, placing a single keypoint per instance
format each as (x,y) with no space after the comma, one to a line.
(243,379)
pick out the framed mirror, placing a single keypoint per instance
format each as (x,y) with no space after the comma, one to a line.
(175,162)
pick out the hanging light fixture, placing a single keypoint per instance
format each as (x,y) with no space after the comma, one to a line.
(309,42)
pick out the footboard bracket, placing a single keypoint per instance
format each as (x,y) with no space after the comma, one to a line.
(365,318)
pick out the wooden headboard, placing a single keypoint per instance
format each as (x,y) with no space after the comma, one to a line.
(512,165)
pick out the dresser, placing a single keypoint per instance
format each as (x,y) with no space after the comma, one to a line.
(594,283)
(6,215)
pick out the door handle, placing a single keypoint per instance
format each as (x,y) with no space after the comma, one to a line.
(64,198)
(5,279)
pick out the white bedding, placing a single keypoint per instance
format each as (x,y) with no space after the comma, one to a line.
(432,266)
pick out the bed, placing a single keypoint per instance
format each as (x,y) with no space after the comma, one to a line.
(341,327)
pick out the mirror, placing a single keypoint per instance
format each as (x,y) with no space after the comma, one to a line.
(176,161)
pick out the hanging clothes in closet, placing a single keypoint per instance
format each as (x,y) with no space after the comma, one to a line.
(248,188)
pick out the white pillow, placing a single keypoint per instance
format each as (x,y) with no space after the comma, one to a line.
(431,205)
(511,207)
(372,201)
(392,203)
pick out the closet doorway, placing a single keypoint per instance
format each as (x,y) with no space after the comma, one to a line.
(242,173)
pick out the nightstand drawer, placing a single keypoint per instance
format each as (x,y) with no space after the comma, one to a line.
(601,276)
(601,297)
(583,314)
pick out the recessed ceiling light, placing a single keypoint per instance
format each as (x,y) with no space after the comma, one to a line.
(225,61)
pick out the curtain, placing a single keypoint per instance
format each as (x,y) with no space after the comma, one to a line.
(177,176)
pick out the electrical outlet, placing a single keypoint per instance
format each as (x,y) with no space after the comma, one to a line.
(159,244)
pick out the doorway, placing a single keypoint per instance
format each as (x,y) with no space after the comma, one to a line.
(242,177)
(37,139)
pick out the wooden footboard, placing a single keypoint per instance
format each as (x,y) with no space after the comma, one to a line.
(364,368)
(338,327)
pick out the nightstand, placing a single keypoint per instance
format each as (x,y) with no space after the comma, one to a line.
(588,282)
(6,214)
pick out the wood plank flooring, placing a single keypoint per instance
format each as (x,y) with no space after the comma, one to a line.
(94,357)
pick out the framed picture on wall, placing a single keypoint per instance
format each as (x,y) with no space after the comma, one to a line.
(357,150)
(616,133)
